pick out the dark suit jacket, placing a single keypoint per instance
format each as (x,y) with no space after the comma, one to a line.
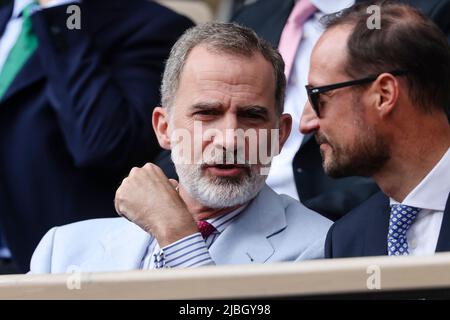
(330,197)
(364,230)
(78,115)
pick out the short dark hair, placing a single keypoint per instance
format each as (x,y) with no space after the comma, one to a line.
(407,40)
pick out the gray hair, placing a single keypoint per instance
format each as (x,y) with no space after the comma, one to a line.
(221,37)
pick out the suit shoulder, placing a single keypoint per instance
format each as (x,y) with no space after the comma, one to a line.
(92,227)
(297,213)
(72,242)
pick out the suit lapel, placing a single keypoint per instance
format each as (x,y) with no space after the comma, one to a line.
(444,235)
(31,72)
(121,249)
(246,239)
(375,242)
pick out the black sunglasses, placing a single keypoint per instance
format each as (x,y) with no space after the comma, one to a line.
(315,92)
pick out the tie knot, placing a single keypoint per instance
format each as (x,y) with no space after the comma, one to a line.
(402,217)
(303,9)
(403,214)
(205,228)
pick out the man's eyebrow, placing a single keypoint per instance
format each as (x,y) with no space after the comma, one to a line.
(255,109)
(205,106)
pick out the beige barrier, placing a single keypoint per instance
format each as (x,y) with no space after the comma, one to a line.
(319,277)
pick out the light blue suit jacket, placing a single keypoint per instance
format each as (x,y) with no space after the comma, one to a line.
(272,228)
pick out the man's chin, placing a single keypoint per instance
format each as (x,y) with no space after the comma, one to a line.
(221,197)
(336,170)
(225,192)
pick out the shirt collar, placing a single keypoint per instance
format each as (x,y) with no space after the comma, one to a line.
(327,6)
(432,192)
(19,5)
(223,221)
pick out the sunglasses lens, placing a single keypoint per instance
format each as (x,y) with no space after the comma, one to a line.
(313,99)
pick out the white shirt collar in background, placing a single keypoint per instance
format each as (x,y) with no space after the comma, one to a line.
(432,192)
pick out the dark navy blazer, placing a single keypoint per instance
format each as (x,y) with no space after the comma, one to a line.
(78,115)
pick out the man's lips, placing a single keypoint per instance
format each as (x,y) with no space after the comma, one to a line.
(226,169)
(325,146)
(322,142)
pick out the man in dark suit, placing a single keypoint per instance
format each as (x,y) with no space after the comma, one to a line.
(75,113)
(388,88)
(329,196)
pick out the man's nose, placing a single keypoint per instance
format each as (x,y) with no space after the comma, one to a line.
(228,127)
(309,121)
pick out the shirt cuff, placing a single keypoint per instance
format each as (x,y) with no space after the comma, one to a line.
(187,252)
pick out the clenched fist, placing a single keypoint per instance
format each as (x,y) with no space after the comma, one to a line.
(148,199)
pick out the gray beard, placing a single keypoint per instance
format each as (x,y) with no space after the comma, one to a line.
(218,192)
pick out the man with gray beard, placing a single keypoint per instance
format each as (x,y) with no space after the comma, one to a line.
(222,118)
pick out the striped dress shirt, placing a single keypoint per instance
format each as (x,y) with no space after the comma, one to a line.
(191,251)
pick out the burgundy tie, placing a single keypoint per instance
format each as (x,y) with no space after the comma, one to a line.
(292,33)
(205,228)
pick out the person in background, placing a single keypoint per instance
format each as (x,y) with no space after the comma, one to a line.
(294,27)
(389,92)
(220,79)
(78,82)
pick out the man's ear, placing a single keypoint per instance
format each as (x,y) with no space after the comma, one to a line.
(160,122)
(386,88)
(285,128)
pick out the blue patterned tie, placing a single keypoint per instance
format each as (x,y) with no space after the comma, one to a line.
(401,219)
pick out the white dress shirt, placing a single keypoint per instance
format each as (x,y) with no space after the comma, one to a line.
(430,195)
(281,176)
(190,251)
